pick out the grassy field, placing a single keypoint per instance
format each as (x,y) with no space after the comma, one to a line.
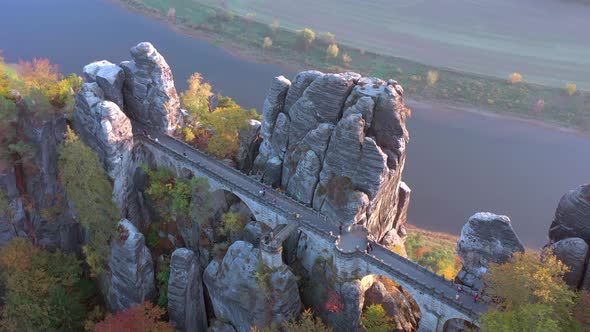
(247,32)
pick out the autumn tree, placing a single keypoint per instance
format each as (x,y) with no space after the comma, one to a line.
(529,285)
(375,319)
(332,51)
(196,98)
(267,43)
(305,38)
(582,311)
(44,290)
(306,323)
(142,318)
(346,60)
(233,224)
(89,189)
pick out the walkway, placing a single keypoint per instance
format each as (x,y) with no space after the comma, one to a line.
(310,218)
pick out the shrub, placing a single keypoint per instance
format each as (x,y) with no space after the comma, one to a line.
(375,319)
(233,224)
(571,88)
(432,77)
(515,78)
(332,51)
(267,43)
(142,318)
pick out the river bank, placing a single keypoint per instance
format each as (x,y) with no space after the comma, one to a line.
(244,36)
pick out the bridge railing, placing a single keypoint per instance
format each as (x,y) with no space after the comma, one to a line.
(308,224)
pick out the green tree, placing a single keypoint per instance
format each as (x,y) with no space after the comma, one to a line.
(530,318)
(332,51)
(45,291)
(305,38)
(530,279)
(89,189)
(307,323)
(375,319)
(196,98)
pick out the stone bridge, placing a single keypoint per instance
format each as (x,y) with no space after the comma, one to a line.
(434,294)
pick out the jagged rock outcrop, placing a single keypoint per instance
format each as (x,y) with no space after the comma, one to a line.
(131,280)
(107,131)
(573,252)
(50,221)
(149,92)
(398,304)
(249,140)
(109,78)
(246,293)
(485,238)
(186,305)
(569,235)
(337,142)
(572,217)
(12,214)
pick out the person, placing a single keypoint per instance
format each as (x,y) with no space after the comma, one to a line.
(457,297)
(475,297)
(459,289)
(340,229)
(184,153)
(157,140)
(145,132)
(370,246)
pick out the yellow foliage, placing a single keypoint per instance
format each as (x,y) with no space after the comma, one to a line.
(571,88)
(332,51)
(196,98)
(188,134)
(346,59)
(515,78)
(432,77)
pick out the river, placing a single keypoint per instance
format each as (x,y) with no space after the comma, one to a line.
(458,162)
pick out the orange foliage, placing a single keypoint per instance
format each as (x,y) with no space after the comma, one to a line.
(38,74)
(421,251)
(142,318)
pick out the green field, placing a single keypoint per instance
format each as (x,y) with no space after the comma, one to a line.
(245,30)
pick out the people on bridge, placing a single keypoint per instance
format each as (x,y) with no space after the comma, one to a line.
(457,297)
(157,140)
(475,297)
(145,133)
(459,289)
(340,229)
(370,246)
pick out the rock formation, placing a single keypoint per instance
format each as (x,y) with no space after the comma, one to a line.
(398,305)
(246,293)
(569,235)
(337,142)
(149,92)
(485,238)
(572,217)
(249,140)
(131,280)
(12,215)
(106,130)
(186,305)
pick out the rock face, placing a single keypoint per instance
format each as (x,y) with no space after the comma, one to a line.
(12,220)
(105,129)
(573,252)
(149,92)
(50,222)
(398,305)
(486,238)
(569,235)
(109,78)
(245,300)
(132,278)
(186,305)
(249,142)
(337,142)
(572,217)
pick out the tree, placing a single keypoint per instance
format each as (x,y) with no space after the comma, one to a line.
(530,317)
(530,279)
(142,318)
(346,60)
(89,189)
(45,291)
(375,319)
(306,38)
(267,43)
(432,77)
(196,98)
(327,37)
(571,88)
(274,26)
(332,51)
(515,78)
(306,323)
(233,224)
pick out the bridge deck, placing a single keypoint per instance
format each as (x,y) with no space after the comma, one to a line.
(312,219)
